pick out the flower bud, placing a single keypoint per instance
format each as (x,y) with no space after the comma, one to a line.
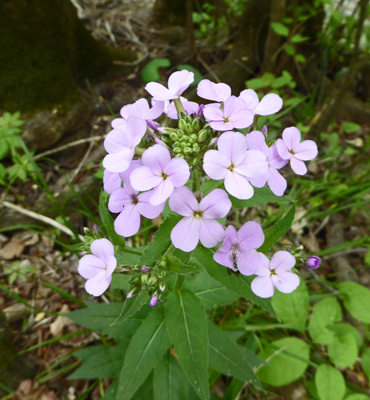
(193,136)
(174,136)
(196,147)
(162,286)
(144,279)
(182,124)
(152,280)
(189,128)
(154,301)
(313,262)
(177,150)
(202,135)
(187,150)
(196,125)
(180,133)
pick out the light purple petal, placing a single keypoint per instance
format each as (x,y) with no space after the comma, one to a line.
(140,109)
(285,282)
(221,125)
(128,221)
(213,113)
(298,166)
(90,265)
(254,164)
(256,141)
(178,171)
(262,286)
(238,186)
(274,159)
(211,232)
(125,111)
(185,235)
(276,182)
(111,265)
(161,192)
(111,181)
(191,107)
(260,181)
(102,248)
(156,158)
(116,141)
(146,209)
(159,92)
(282,261)
(215,164)
(179,81)
(183,202)
(143,178)
(118,162)
(291,137)
(136,128)
(250,236)
(125,176)
(156,111)
(119,123)
(233,145)
(120,198)
(215,205)
(270,104)
(264,269)
(305,151)
(213,91)
(242,118)
(283,150)
(225,258)
(250,98)
(248,262)
(98,284)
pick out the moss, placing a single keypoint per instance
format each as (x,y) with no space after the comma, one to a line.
(44,50)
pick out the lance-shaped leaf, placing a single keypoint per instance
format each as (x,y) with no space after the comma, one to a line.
(260,197)
(186,323)
(144,352)
(239,284)
(225,357)
(169,381)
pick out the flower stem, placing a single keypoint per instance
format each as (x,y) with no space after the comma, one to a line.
(196,181)
(179,106)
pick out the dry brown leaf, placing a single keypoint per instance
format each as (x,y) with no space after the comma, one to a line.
(56,328)
(12,249)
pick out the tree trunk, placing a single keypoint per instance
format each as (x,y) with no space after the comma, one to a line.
(45,50)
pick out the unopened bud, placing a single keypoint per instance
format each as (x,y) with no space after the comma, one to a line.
(162,286)
(180,133)
(177,150)
(162,264)
(182,124)
(174,136)
(154,301)
(189,128)
(313,262)
(152,280)
(202,135)
(187,150)
(145,270)
(144,279)
(196,125)
(194,137)
(196,147)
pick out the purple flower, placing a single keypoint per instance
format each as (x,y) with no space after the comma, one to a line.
(142,110)
(313,262)
(191,107)
(153,301)
(122,122)
(234,114)
(235,163)
(213,91)
(200,218)
(290,148)
(275,274)
(160,172)
(121,144)
(131,205)
(239,248)
(276,182)
(270,104)
(111,181)
(178,82)
(98,267)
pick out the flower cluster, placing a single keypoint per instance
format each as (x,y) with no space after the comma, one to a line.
(148,164)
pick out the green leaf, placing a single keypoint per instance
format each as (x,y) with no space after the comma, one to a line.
(225,357)
(143,353)
(273,233)
(350,127)
(300,58)
(330,383)
(357,396)
(365,362)
(131,306)
(209,291)
(258,83)
(197,74)
(161,242)
(107,220)
(186,323)
(297,38)
(125,258)
(342,328)
(4,148)
(289,49)
(169,381)
(326,312)
(343,350)
(287,361)
(280,29)
(356,300)
(239,284)
(177,266)
(120,281)
(100,361)
(261,196)
(292,308)
(150,73)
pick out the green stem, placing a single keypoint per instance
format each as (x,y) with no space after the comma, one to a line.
(196,181)
(179,106)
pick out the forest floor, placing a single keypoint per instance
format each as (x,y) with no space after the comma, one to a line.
(31,302)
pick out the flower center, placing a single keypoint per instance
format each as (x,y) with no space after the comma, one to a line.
(226,120)
(231,168)
(272,272)
(198,214)
(164,176)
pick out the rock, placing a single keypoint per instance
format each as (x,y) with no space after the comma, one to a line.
(43,129)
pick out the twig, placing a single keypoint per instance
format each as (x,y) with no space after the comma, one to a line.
(110,33)
(208,68)
(345,252)
(82,163)
(68,145)
(41,218)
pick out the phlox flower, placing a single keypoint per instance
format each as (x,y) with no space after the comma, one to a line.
(275,274)
(270,104)
(199,222)
(276,182)
(111,181)
(313,262)
(213,91)
(291,148)
(238,250)
(234,163)
(98,267)
(131,205)
(233,114)
(178,82)
(160,173)
(120,144)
